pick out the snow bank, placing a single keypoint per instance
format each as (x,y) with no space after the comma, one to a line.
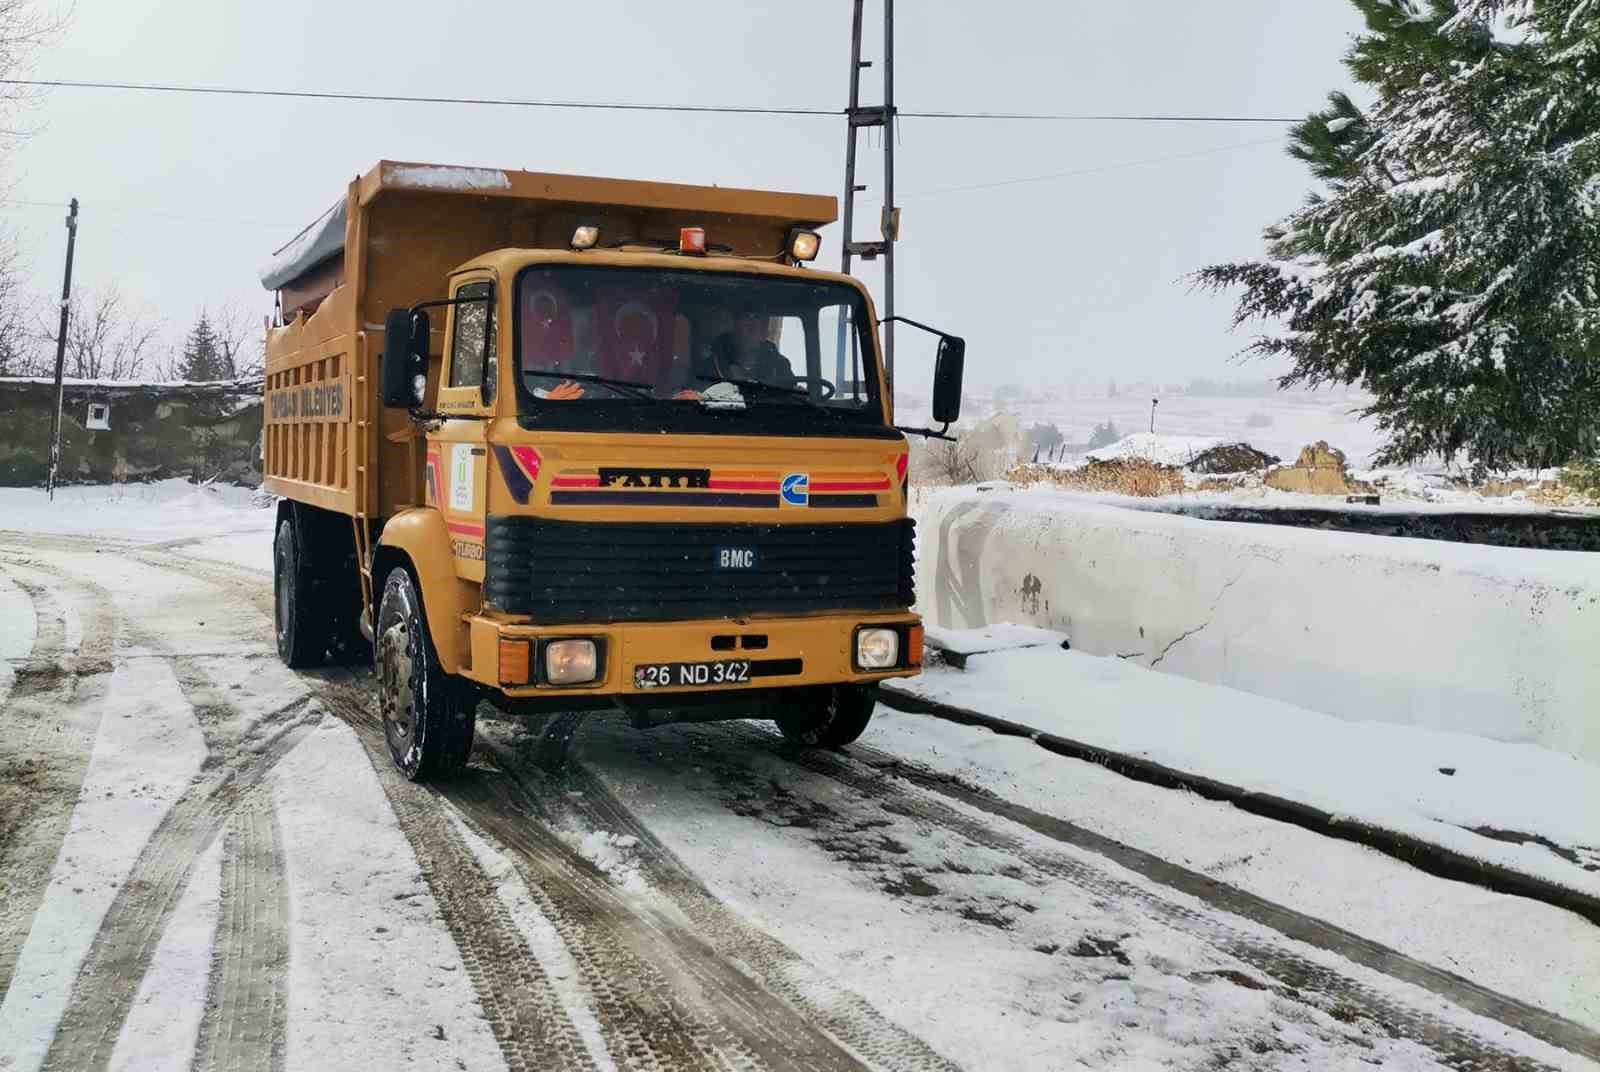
(1388,776)
(1495,642)
(1173,450)
(165,509)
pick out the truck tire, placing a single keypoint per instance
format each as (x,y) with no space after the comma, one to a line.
(826,716)
(427,714)
(300,622)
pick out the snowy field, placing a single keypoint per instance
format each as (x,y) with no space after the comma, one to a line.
(208,861)
(1279,424)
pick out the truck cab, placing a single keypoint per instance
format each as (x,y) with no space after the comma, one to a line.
(650,467)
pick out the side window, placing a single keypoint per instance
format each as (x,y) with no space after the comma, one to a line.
(472,354)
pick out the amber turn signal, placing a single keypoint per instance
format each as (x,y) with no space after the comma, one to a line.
(514,662)
(914,646)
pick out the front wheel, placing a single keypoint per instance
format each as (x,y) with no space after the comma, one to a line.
(826,716)
(427,714)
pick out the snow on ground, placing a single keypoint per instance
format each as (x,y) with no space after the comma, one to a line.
(1427,783)
(1279,424)
(978,941)
(164,1023)
(1538,953)
(1172,450)
(554,958)
(364,929)
(148,750)
(163,510)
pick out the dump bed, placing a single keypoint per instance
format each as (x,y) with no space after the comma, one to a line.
(391,242)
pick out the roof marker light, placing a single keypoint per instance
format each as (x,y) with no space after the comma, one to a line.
(692,240)
(585,237)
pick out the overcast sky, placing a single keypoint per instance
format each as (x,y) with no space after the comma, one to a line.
(1075,278)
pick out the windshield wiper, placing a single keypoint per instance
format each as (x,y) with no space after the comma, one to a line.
(628,387)
(799,394)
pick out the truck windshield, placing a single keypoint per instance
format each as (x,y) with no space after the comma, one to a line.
(691,351)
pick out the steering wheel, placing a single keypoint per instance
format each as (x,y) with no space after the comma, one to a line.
(825,388)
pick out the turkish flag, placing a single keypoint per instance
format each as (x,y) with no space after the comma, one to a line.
(636,329)
(546,316)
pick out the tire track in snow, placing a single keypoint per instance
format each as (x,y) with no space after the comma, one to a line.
(664,999)
(926,796)
(846,1016)
(43,766)
(245,1023)
(523,1009)
(641,1015)
(660,988)
(235,767)
(521,1005)
(109,978)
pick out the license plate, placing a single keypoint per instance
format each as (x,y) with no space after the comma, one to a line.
(691,675)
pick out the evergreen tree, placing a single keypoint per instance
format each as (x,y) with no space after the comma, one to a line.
(1451,264)
(202,357)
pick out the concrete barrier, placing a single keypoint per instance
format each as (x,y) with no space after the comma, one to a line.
(1497,642)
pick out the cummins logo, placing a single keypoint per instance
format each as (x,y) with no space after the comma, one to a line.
(796,489)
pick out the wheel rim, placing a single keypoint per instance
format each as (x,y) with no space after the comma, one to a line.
(285,583)
(395,696)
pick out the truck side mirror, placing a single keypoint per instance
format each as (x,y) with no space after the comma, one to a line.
(405,357)
(948,367)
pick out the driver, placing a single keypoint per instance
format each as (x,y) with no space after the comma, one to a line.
(744,352)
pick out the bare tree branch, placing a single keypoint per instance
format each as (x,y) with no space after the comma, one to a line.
(108,338)
(241,340)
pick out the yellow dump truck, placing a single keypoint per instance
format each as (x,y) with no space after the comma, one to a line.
(575,444)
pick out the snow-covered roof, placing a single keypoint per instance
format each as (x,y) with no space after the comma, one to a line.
(321,240)
(73,384)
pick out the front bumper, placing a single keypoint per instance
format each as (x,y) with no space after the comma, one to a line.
(791,651)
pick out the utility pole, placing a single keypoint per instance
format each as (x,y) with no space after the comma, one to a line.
(61,352)
(881,116)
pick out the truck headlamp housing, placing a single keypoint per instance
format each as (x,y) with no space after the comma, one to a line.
(571,662)
(804,245)
(877,648)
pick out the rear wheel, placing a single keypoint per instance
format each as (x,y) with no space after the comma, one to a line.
(827,716)
(296,611)
(427,714)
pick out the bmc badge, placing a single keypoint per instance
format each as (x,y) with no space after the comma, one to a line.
(734,558)
(795,489)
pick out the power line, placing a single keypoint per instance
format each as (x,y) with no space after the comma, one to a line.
(1052,176)
(625,106)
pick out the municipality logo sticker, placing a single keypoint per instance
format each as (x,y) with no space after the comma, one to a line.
(796,489)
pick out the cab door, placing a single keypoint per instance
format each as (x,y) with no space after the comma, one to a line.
(458,449)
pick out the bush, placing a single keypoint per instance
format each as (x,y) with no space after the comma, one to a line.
(1583,478)
(1104,435)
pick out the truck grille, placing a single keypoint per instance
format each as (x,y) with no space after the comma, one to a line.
(576,571)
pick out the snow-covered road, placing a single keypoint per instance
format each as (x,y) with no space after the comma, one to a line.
(207,861)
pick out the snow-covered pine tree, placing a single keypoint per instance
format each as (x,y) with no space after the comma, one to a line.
(1451,263)
(202,357)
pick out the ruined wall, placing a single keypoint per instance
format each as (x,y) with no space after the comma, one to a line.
(154,431)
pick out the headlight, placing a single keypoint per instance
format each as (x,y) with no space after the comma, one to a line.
(877,649)
(570,662)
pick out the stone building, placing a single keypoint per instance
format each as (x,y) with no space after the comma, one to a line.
(116,430)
